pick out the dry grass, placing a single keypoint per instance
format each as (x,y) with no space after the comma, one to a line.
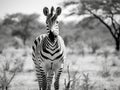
(87,72)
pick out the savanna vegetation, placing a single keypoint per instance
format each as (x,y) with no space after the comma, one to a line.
(92,44)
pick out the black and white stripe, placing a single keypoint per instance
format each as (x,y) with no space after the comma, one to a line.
(48,57)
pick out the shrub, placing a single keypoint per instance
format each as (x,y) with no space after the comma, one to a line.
(73,82)
(94,46)
(7,73)
(116,73)
(105,72)
(68,39)
(10,65)
(86,83)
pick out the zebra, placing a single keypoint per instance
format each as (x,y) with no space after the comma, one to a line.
(49,52)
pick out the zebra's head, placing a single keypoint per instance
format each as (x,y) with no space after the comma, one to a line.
(51,21)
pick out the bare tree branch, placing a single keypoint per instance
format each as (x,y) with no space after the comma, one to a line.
(112,18)
(12,76)
(113,23)
(102,21)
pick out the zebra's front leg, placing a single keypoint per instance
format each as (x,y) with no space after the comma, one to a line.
(57,77)
(41,75)
(49,79)
(44,82)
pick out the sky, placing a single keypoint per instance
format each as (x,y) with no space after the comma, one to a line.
(25,6)
(34,6)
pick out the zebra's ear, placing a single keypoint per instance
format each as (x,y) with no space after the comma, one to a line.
(58,11)
(45,11)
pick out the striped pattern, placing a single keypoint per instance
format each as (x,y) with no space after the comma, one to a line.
(48,56)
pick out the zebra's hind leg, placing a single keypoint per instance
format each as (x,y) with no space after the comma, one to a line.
(49,79)
(57,77)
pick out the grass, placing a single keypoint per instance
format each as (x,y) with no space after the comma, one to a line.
(85,72)
(89,53)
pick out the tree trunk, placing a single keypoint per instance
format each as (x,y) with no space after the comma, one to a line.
(6,88)
(117,45)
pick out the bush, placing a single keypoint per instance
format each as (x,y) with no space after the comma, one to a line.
(73,82)
(10,65)
(7,73)
(68,39)
(105,72)
(94,46)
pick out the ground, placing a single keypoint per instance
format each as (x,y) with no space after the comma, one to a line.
(103,71)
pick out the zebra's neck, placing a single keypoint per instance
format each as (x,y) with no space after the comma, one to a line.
(52,37)
(48,44)
(53,31)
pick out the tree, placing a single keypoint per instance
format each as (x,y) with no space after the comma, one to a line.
(25,22)
(22,24)
(102,10)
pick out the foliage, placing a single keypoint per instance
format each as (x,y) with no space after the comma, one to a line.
(9,67)
(105,72)
(22,25)
(107,6)
(68,40)
(70,82)
(102,10)
(94,45)
(87,85)
(74,82)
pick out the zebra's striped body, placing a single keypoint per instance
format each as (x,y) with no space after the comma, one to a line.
(48,56)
